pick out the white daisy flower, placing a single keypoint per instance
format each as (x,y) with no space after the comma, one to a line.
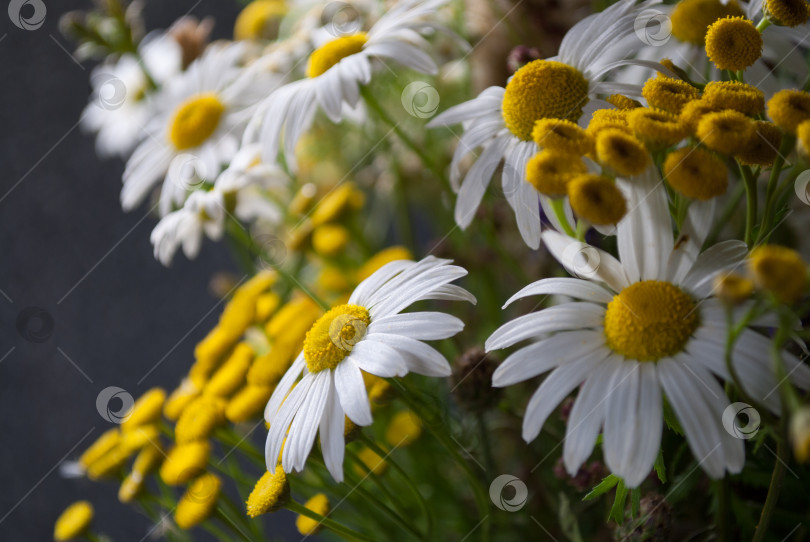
(202,214)
(647,326)
(367,334)
(202,115)
(500,120)
(120,107)
(336,70)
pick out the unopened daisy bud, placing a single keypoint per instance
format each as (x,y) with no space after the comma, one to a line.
(621,152)
(657,128)
(342,198)
(371,461)
(148,459)
(472,380)
(789,108)
(292,321)
(800,434)
(130,488)
(727,132)
(387,255)
(330,239)
(733,43)
(691,18)
(779,270)
(259,20)
(271,492)
(266,305)
(146,410)
(623,102)
(785,12)
(74,522)
(597,199)
(332,280)
(696,173)
(231,375)
(268,368)
(199,501)
(803,140)
(248,403)
(135,439)
(520,56)
(732,288)
(184,462)
(763,147)
(747,99)
(562,136)
(668,94)
(319,504)
(215,345)
(694,111)
(180,398)
(109,464)
(549,172)
(199,419)
(404,428)
(379,390)
(104,444)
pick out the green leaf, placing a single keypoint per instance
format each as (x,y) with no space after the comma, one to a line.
(660,468)
(603,487)
(635,502)
(671,419)
(617,510)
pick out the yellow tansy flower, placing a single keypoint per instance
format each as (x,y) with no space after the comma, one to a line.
(74,521)
(319,504)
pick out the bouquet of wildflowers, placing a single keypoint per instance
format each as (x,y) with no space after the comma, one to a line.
(486,295)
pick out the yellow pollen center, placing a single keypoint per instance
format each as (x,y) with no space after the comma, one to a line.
(333,336)
(650,320)
(195,120)
(543,89)
(334,51)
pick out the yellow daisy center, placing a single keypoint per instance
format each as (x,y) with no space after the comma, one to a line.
(596,199)
(562,135)
(669,94)
(657,128)
(789,108)
(549,172)
(691,18)
(622,152)
(696,173)
(726,132)
(259,20)
(332,52)
(650,320)
(195,120)
(786,12)
(543,89)
(747,99)
(733,43)
(622,102)
(333,336)
(779,270)
(762,149)
(694,111)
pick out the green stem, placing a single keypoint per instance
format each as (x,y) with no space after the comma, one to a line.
(227,436)
(728,211)
(773,182)
(558,205)
(774,489)
(751,203)
(337,528)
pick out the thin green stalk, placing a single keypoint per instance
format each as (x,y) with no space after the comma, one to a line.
(751,203)
(227,436)
(773,183)
(775,487)
(558,206)
(393,515)
(332,525)
(219,513)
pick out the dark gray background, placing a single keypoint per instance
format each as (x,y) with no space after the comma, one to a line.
(59,221)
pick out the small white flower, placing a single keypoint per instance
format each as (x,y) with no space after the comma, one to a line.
(202,214)
(500,120)
(120,106)
(367,334)
(646,326)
